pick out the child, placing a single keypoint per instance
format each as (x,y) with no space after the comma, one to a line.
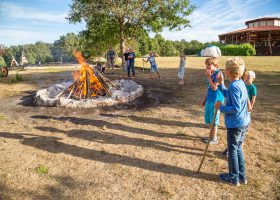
(248,77)
(111,58)
(153,63)
(181,72)
(237,120)
(212,96)
(251,88)
(131,57)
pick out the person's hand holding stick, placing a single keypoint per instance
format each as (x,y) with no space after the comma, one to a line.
(217,107)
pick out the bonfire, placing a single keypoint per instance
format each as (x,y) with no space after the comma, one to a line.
(89,88)
(88,83)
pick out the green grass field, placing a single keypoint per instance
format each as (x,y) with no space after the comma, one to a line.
(256,63)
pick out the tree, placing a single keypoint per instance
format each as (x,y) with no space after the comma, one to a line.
(2,50)
(115,20)
(65,46)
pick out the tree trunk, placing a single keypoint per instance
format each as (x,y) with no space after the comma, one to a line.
(122,44)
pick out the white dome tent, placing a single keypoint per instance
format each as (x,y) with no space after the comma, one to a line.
(211,51)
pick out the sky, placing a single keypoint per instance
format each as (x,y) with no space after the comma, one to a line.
(28,21)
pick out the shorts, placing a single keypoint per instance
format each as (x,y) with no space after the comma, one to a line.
(154,68)
(209,114)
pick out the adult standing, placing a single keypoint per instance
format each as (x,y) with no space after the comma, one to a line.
(111,58)
(131,57)
(126,54)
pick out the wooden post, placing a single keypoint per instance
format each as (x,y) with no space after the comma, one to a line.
(236,40)
(269,43)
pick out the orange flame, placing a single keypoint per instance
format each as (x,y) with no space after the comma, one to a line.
(86,83)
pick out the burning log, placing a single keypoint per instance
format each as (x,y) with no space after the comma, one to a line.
(90,83)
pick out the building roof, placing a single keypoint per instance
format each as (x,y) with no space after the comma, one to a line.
(262,19)
(252,29)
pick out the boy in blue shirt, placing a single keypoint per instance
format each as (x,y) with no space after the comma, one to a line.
(153,63)
(213,95)
(237,120)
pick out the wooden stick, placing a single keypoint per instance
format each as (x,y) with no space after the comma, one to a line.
(82,90)
(106,79)
(104,85)
(209,138)
(71,92)
(59,94)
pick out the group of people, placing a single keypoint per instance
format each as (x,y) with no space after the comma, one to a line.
(129,57)
(236,102)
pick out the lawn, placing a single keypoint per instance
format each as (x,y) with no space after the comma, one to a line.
(149,149)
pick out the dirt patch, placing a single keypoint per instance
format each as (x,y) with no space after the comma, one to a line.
(148,149)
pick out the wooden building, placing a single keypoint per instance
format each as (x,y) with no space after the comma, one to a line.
(262,33)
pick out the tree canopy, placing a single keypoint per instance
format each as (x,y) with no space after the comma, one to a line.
(111,22)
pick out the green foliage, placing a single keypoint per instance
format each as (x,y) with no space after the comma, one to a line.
(2,61)
(34,53)
(111,22)
(65,46)
(42,169)
(238,50)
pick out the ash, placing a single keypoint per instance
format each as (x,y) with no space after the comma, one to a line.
(128,91)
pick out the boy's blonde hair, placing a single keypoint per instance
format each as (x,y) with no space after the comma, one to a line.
(236,66)
(212,60)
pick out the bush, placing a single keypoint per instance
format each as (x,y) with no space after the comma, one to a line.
(238,50)
(2,61)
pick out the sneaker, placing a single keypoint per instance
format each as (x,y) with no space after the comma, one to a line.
(243,181)
(226,179)
(133,76)
(212,141)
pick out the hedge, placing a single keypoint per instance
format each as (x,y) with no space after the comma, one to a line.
(238,50)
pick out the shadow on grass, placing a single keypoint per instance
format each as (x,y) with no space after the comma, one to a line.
(117,126)
(110,138)
(53,145)
(157,121)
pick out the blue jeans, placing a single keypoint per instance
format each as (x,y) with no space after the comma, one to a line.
(130,66)
(236,164)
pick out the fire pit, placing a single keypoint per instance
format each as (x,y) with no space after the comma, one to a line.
(89,89)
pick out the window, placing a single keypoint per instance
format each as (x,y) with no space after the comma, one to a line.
(270,23)
(263,23)
(256,24)
(276,23)
(277,43)
(251,25)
